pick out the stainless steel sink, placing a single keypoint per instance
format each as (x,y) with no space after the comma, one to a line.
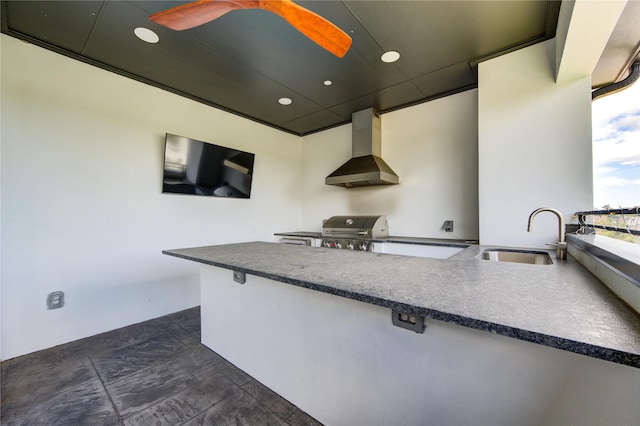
(517,256)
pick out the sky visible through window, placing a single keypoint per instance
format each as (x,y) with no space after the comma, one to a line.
(616,149)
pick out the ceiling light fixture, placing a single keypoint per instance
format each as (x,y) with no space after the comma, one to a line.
(328,82)
(390,56)
(145,34)
(285,101)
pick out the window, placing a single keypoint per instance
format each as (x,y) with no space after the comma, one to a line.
(616,159)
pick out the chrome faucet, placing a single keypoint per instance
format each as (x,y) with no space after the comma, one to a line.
(561,245)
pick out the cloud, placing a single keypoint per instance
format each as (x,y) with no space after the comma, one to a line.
(616,149)
(632,161)
(616,129)
(629,122)
(622,163)
(616,152)
(618,181)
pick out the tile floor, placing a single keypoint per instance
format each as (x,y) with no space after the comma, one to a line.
(153,373)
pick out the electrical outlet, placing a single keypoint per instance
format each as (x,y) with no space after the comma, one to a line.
(55,300)
(408,320)
(448,226)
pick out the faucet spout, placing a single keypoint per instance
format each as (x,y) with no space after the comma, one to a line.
(561,245)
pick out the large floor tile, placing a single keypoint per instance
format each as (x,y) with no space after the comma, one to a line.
(137,392)
(233,373)
(122,362)
(275,402)
(185,404)
(300,418)
(26,384)
(84,348)
(189,339)
(199,358)
(239,409)
(32,363)
(86,404)
(132,334)
(188,319)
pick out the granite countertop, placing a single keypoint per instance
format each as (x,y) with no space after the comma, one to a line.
(560,305)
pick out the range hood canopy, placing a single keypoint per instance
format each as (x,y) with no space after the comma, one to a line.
(365,168)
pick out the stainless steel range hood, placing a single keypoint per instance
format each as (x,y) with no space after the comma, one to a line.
(365,168)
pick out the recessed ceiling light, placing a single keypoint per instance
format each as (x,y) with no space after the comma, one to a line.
(145,34)
(285,101)
(390,56)
(328,82)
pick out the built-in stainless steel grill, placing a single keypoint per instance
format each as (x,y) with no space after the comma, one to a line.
(353,232)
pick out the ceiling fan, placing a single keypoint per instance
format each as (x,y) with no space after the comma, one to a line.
(315,27)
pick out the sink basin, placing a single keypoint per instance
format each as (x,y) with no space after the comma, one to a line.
(517,256)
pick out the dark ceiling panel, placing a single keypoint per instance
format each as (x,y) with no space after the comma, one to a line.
(432,35)
(320,120)
(65,25)
(284,55)
(193,68)
(383,100)
(246,60)
(276,49)
(447,79)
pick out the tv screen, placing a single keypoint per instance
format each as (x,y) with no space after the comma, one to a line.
(200,168)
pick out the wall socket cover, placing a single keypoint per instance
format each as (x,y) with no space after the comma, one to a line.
(55,300)
(408,320)
(239,277)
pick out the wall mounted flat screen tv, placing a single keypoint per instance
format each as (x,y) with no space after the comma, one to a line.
(201,168)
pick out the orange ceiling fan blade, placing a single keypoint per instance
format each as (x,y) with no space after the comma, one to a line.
(196,13)
(316,28)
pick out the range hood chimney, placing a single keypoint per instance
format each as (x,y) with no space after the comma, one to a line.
(365,168)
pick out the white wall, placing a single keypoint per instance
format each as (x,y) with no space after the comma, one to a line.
(431,146)
(82,208)
(534,146)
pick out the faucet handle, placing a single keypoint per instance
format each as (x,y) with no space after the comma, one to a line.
(561,249)
(559,244)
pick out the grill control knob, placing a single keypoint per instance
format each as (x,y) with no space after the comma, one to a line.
(338,244)
(350,245)
(364,246)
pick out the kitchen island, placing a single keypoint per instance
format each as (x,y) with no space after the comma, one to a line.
(499,346)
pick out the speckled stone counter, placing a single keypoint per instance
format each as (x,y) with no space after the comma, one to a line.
(561,305)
